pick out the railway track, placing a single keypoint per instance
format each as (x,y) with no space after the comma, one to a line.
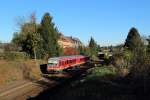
(25,90)
(32,89)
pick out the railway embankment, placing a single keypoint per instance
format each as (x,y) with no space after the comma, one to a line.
(98,83)
(12,71)
(29,89)
(85,82)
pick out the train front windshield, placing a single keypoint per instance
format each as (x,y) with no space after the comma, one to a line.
(52,62)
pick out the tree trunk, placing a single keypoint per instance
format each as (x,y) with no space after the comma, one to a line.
(34,54)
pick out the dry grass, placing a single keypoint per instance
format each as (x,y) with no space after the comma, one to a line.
(11,71)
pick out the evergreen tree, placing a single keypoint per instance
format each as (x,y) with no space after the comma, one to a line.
(49,34)
(93,48)
(133,39)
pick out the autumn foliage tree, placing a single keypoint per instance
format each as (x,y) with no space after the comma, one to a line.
(28,38)
(38,40)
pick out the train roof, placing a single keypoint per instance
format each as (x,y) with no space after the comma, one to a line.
(65,57)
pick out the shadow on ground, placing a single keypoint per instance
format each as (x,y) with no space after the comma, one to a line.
(98,88)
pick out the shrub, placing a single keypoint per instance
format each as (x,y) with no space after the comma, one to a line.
(140,63)
(123,59)
(102,71)
(118,60)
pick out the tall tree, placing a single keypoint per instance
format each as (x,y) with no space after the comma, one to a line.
(133,39)
(49,34)
(135,54)
(93,48)
(28,38)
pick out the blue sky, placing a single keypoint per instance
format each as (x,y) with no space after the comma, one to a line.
(108,21)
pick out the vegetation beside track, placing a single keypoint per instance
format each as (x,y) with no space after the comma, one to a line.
(96,85)
(11,71)
(100,83)
(102,71)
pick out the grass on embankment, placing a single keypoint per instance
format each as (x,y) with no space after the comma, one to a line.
(102,72)
(15,70)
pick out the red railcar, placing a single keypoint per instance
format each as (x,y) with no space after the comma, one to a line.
(64,62)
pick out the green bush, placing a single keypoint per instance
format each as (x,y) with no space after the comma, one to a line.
(102,71)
